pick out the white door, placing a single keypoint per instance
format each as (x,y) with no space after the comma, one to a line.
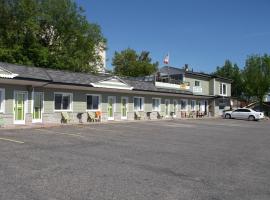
(111,107)
(167,107)
(175,107)
(20,106)
(124,107)
(37,107)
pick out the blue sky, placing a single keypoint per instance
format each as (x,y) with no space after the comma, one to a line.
(201,33)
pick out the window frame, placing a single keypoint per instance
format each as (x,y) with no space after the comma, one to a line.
(177,105)
(221,89)
(70,104)
(2,100)
(195,104)
(159,105)
(197,82)
(186,104)
(99,100)
(142,109)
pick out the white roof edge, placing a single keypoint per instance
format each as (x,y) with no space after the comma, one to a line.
(113,87)
(10,75)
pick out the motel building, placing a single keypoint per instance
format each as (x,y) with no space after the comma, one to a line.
(31,95)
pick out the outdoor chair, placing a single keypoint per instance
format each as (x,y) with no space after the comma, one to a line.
(137,116)
(98,116)
(91,116)
(183,114)
(191,114)
(160,115)
(65,117)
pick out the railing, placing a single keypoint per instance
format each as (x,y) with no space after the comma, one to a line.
(197,89)
(173,85)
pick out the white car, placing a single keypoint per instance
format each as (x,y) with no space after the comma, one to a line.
(243,113)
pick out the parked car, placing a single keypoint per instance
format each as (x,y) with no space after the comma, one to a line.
(243,113)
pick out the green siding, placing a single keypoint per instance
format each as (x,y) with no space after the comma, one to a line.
(204,84)
(9,96)
(217,83)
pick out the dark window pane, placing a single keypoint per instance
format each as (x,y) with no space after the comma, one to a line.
(89,103)
(224,89)
(95,102)
(66,102)
(57,101)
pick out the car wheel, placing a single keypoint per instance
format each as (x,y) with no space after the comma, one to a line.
(251,118)
(227,116)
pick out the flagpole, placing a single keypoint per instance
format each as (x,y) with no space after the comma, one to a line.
(168,67)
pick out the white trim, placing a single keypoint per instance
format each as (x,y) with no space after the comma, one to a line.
(32,107)
(195,105)
(159,106)
(222,84)
(10,75)
(25,106)
(214,92)
(168,107)
(2,100)
(113,106)
(176,109)
(70,105)
(124,97)
(142,103)
(122,85)
(99,102)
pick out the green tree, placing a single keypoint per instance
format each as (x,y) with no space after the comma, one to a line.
(129,63)
(232,71)
(49,33)
(257,76)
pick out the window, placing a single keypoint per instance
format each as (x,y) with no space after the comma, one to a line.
(223,89)
(193,105)
(138,103)
(62,101)
(197,83)
(92,102)
(156,104)
(2,100)
(183,104)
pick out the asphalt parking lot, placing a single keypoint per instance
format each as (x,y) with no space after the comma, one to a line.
(192,159)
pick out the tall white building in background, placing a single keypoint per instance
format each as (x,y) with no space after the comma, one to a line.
(267,97)
(101,51)
(102,68)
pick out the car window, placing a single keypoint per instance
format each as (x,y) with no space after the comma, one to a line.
(245,110)
(237,110)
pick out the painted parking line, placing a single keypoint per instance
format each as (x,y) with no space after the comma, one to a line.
(99,129)
(11,140)
(44,131)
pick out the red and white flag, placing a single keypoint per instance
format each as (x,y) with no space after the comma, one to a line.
(166,59)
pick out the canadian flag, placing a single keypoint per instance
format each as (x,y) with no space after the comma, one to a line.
(166,59)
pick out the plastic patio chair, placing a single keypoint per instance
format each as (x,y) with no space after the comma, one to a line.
(65,117)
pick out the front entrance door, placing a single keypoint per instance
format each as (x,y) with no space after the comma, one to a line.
(20,102)
(124,104)
(167,104)
(37,107)
(111,107)
(175,105)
